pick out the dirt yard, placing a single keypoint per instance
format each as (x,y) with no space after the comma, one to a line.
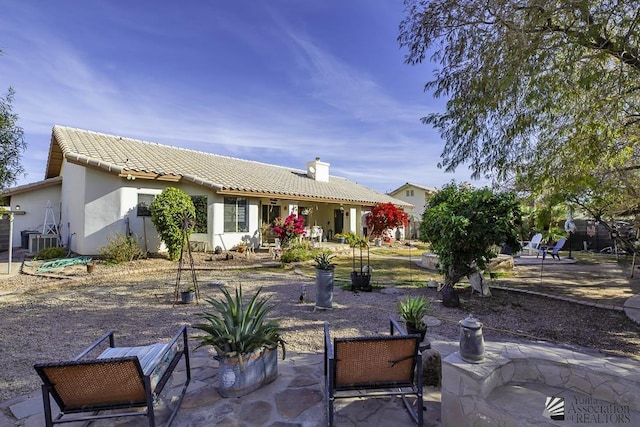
(47,319)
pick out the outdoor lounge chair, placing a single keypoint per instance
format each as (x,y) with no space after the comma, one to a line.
(119,378)
(544,250)
(374,366)
(534,244)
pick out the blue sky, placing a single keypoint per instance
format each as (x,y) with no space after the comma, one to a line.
(277,81)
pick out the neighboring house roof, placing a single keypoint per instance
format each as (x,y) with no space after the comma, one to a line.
(227,175)
(32,186)
(426,188)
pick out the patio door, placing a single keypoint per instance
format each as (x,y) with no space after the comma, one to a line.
(269,213)
(338,221)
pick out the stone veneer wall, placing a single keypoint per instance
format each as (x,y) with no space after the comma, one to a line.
(501,263)
(466,387)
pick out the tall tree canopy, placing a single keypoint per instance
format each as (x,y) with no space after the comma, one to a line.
(11,143)
(464,226)
(545,91)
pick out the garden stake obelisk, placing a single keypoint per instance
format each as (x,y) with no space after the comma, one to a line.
(186,226)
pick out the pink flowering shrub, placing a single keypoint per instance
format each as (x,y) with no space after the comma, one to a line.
(289,229)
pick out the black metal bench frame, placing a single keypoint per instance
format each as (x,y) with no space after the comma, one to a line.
(371,383)
(142,397)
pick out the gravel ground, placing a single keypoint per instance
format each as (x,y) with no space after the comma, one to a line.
(47,319)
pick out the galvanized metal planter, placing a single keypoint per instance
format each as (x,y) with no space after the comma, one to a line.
(187,297)
(257,369)
(324,288)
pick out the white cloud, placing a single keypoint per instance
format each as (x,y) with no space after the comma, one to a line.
(332,108)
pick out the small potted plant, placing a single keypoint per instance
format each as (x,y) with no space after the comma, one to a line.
(187,296)
(412,311)
(324,280)
(341,238)
(246,342)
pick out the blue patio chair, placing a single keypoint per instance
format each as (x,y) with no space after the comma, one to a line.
(554,251)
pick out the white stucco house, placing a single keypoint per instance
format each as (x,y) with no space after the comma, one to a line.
(98,185)
(417,196)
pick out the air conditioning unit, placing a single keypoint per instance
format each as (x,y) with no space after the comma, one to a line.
(38,242)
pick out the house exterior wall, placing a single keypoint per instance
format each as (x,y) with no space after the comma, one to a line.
(34,204)
(418,199)
(92,205)
(72,198)
(229,240)
(103,205)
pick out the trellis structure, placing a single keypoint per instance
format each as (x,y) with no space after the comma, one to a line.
(188,224)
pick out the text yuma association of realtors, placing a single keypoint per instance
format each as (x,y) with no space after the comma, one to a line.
(588,410)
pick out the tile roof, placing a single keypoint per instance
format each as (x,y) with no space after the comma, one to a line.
(411,184)
(119,155)
(32,186)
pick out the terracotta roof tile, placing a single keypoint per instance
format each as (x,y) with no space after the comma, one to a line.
(118,154)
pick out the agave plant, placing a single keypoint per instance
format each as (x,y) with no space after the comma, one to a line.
(236,329)
(413,309)
(323,261)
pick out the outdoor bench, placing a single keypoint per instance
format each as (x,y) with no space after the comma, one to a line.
(118,378)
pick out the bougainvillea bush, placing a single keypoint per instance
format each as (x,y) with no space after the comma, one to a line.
(288,230)
(383,217)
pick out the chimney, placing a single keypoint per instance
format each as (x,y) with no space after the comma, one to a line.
(318,170)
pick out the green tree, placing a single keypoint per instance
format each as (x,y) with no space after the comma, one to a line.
(543,92)
(11,142)
(172,212)
(464,225)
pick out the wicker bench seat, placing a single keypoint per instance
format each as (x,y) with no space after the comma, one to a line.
(389,365)
(119,378)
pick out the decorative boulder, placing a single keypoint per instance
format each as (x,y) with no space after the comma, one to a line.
(431,368)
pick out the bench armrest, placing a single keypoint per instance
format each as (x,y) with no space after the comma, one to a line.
(395,326)
(171,346)
(96,344)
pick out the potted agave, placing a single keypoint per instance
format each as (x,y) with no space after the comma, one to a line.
(246,342)
(412,311)
(324,280)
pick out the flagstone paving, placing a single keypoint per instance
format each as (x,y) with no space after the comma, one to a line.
(295,398)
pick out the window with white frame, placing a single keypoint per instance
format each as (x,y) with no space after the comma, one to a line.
(236,218)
